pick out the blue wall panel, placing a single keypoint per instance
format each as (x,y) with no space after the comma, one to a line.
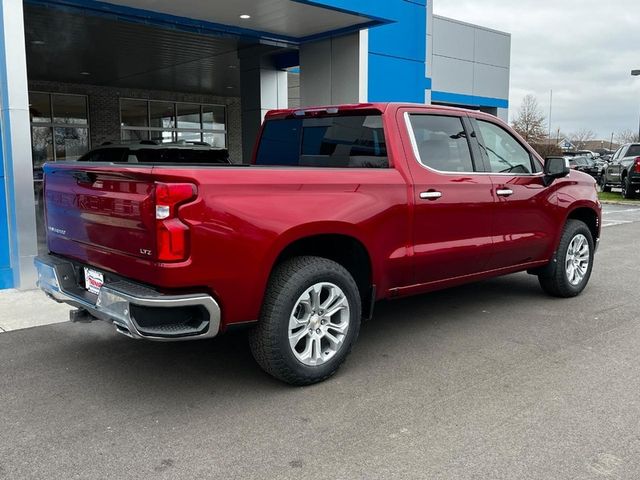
(393,79)
(397,55)
(469,100)
(6,274)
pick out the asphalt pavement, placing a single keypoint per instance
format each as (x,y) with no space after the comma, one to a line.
(493,380)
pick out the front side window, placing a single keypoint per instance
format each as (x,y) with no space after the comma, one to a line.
(442,143)
(342,142)
(505,153)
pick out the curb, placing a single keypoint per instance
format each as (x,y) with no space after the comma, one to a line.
(619,202)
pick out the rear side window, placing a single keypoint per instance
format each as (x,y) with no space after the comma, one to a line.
(442,143)
(110,155)
(355,141)
(634,151)
(505,153)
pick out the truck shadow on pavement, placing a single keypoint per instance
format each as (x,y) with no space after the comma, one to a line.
(74,359)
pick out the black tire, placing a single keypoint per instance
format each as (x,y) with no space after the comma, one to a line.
(603,183)
(269,339)
(627,190)
(557,284)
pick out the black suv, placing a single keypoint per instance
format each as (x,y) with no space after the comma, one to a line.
(623,171)
(148,151)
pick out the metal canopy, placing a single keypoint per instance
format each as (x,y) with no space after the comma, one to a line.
(70,47)
(287,19)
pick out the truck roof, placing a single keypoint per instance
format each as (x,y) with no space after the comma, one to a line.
(379,106)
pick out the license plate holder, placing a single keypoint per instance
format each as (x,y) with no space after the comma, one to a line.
(93,280)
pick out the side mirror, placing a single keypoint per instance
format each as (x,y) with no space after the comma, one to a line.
(555,167)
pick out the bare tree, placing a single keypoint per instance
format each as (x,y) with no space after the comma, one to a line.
(530,121)
(627,136)
(581,137)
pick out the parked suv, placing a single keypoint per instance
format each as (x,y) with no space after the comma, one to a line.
(623,171)
(149,151)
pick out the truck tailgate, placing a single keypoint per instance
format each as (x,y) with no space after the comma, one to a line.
(101,209)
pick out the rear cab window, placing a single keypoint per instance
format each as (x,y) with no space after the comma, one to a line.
(342,141)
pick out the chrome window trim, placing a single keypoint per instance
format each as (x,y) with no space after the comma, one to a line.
(416,153)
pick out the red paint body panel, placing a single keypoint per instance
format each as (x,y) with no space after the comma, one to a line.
(244,217)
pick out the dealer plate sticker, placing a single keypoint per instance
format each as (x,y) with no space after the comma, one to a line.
(93,280)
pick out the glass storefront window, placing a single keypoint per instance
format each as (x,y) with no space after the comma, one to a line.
(213,117)
(134,113)
(59,131)
(217,140)
(188,116)
(162,114)
(190,136)
(41,149)
(71,109)
(40,107)
(134,135)
(71,142)
(170,122)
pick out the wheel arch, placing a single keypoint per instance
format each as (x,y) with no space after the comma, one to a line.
(341,245)
(589,216)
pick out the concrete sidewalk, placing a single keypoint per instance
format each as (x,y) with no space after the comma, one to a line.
(30,308)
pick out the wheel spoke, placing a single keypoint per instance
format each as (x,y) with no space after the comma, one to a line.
(295,337)
(338,327)
(338,305)
(335,342)
(317,350)
(314,296)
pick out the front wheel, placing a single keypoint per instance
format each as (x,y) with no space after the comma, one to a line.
(574,262)
(603,183)
(309,321)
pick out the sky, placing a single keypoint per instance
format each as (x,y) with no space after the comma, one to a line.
(583,50)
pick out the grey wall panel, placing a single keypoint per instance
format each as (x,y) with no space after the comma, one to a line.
(492,48)
(452,75)
(452,39)
(469,59)
(332,71)
(490,81)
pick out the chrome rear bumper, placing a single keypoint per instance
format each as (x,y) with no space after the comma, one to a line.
(197,316)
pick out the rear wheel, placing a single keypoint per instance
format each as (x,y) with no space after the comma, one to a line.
(309,321)
(627,190)
(574,262)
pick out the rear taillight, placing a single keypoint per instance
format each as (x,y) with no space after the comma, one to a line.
(172,235)
(636,168)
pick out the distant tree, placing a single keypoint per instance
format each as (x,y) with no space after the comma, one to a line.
(581,137)
(627,136)
(530,121)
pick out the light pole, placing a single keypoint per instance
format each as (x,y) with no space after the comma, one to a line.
(636,73)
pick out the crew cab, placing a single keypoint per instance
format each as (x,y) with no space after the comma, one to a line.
(341,207)
(623,171)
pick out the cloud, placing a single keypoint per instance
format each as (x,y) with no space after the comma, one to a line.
(583,50)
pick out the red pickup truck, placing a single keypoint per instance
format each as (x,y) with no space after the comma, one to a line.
(342,206)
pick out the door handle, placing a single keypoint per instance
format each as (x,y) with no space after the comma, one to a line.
(430,195)
(504,192)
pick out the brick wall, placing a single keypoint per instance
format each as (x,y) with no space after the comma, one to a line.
(104,109)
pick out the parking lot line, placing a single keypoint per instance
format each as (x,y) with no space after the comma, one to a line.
(613,223)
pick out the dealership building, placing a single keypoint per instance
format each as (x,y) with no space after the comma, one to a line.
(78,73)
